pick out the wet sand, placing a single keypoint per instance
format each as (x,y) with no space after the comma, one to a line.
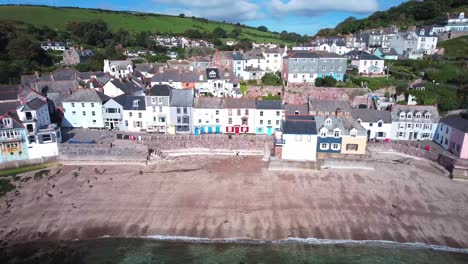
(238,198)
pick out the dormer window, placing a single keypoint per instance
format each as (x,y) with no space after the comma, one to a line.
(323,132)
(353,132)
(402,115)
(336,133)
(427,116)
(409,116)
(6,121)
(212,74)
(296,112)
(328,121)
(418,115)
(136,103)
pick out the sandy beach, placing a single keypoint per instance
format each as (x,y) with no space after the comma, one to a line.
(236,197)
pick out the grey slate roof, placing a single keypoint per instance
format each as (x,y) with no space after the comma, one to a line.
(33,105)
(128,87)
(6,107)
(237,56)
(56,87)
(290,109)
(371,116)
(345,124)
(209,103)
(87,95)
(181,98)
(456,122)
(174,76)
(254,54)
(9,92)
(423,109)
(361,55)
(268,104)
(329,105)
(159,90)
(236,103)
(299,127)
(127,102)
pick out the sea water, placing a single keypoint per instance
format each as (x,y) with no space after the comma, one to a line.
(168,250)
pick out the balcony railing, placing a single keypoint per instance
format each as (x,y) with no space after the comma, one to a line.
(7,139)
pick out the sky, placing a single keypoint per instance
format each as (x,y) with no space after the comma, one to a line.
(300,16)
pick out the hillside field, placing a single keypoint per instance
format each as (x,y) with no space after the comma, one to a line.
(58,17)
(455,48)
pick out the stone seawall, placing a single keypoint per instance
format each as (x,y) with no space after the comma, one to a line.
(457,167)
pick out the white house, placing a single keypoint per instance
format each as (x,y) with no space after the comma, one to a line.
(366,63)
(427,41)
(112,114)
(114,88)
(219,83)
(207,115)
(254,58)
(268,116)
(238,116)
(378,124)
(273,59)
(34,114)
(53,46)
(134,112)
(43,137)
(238,64)
(158,111)
(83,108)
(298,140)
(414,122)
(118,68)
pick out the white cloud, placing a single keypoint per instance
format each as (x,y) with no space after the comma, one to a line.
(233,11)
(306,7)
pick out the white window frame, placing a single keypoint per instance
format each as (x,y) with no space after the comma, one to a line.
(324,146)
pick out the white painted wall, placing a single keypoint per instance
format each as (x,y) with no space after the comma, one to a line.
(83,114)
(300,147)
(374,128)
(131,117)
(268,116)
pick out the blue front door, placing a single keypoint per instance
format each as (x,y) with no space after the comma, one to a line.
(197,131)
(210,130)
(270,131)
(218,130)
(202,130)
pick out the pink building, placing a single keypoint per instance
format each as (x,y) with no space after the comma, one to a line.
(452,135)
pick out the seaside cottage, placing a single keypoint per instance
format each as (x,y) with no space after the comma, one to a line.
(452,135)
(414,122)
(207,115)
(112,114)
(181,104)
(268,116)
(353,137)
(298,141)
(43,136)
(13,135)
(329,134)
(157,107)
(84,109)
(238,115)
(134,112)
(378,124)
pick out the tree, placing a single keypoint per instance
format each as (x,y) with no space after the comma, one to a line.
(327,81)
(236,32)
(262,28)
(271,79)
(182,15)
(219,32)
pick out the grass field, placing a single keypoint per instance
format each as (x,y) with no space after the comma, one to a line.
(15,171)
(455,48)
(57,18)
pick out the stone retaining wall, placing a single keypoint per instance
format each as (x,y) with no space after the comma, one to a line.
(29,162)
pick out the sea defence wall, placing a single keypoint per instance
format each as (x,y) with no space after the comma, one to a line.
(147,148)
(29,162)
(457,167)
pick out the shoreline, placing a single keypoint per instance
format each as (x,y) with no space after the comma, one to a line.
(223,199)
